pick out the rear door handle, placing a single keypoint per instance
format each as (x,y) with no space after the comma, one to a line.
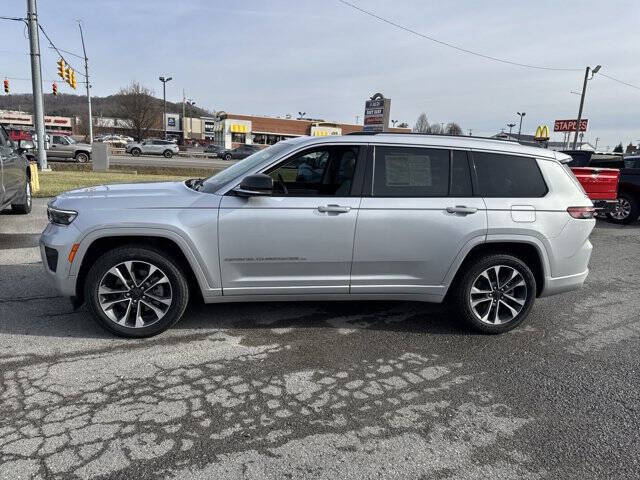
(462,209)
(333,209)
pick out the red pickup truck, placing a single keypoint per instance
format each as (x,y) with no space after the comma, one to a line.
(601,184)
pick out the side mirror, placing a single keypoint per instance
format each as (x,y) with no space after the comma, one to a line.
(25,146)
(258,184)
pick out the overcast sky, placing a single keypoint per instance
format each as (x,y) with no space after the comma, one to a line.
(279,57)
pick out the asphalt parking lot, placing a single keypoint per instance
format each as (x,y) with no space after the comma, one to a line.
(321,390)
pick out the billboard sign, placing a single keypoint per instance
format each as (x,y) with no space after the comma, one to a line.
(569,125)
(376,113)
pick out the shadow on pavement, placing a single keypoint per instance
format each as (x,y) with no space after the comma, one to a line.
(18,240)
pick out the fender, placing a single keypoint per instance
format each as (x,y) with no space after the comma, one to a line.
(205,281)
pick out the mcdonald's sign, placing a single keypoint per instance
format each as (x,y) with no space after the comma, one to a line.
(542,133)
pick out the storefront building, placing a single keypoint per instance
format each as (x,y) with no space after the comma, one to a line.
(13,119)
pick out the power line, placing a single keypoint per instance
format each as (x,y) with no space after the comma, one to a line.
(456,47)
(57,49)
(619,81)
(15,19)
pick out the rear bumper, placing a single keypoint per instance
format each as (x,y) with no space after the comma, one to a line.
(604,206)
(556,285)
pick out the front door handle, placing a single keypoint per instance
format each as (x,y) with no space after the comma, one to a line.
(332,208)
(462,209)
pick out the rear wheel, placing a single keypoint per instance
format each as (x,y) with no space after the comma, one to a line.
(495,294)
(626,210)
(82,157)
(25,206)
(136,292)
(167,154)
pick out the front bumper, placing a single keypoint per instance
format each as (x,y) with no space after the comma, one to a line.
(60,239)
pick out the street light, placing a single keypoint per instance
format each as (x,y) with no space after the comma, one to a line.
(584,90)
(393,123)
(164,81)
(520,128)
(191,103)
(301,115)
(510,125)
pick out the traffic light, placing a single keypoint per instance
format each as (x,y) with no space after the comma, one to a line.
(6,86)
(72,78)
(62,69)
(54,86)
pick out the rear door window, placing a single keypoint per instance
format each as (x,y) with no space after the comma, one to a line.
(411,172)
(509,176)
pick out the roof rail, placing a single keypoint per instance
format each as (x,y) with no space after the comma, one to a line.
(435,135)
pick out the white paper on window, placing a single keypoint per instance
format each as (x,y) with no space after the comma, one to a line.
(408,170)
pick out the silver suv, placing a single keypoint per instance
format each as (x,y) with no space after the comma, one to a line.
(487,224)
(166,148)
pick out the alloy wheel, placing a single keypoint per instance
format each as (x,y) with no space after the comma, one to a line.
(498,295)
(135,294)
(622,209)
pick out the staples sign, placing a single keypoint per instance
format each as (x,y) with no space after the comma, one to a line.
(569,125)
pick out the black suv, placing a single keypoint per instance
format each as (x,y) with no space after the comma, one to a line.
(15,175)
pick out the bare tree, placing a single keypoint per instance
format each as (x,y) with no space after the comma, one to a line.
(453,128)
(435,129)
(422,124)
(138,106)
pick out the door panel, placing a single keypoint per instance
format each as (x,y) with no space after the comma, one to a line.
(407,245)
(286,245)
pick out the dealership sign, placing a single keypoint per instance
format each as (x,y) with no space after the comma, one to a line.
(569,125)
(376,113)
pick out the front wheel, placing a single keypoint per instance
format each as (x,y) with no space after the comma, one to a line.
(495,293)
(227,156)
(626,210)
(136,152)
(167,154)
(136,292)
(25,206)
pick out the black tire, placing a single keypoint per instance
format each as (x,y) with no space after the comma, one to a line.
(617,215)
(167,154)
(24,207)
(227,156)
(462,292)
(136,152)
(175,275)
(82,157)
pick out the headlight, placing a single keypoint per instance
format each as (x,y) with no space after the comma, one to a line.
(61,217)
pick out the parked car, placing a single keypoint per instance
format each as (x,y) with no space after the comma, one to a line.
(165,148)
(627,208)
(113,140)
(214,150)
(601,184)
(15,175)
(488,224)
(238,153)
(65,147)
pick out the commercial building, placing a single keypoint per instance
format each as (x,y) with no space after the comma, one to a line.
(16,120)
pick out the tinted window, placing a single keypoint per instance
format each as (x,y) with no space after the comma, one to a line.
(326,171)
(411,172)
(460,175)
(607,162)
(632,162)
(508,176)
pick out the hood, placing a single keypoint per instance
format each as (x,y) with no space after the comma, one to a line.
(82,146)
(127,195)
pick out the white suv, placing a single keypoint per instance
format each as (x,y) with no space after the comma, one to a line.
(489,224)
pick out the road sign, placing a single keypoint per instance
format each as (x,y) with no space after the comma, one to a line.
(376,113)
(569,125)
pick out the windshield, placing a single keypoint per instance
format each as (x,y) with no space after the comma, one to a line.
(213,183)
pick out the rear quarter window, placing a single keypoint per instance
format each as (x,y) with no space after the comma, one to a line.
(510,176)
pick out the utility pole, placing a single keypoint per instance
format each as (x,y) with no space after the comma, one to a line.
(510,125)
(520,128)
(86,74)
(164,103)
(36,81)
(183,118)
(584,90)
(596,145)
(470,132)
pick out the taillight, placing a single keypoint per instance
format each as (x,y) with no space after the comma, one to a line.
(582,212)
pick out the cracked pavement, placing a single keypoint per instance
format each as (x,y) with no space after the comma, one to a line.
(344,390)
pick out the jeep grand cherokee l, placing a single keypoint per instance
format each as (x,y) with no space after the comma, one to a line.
(488,224)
